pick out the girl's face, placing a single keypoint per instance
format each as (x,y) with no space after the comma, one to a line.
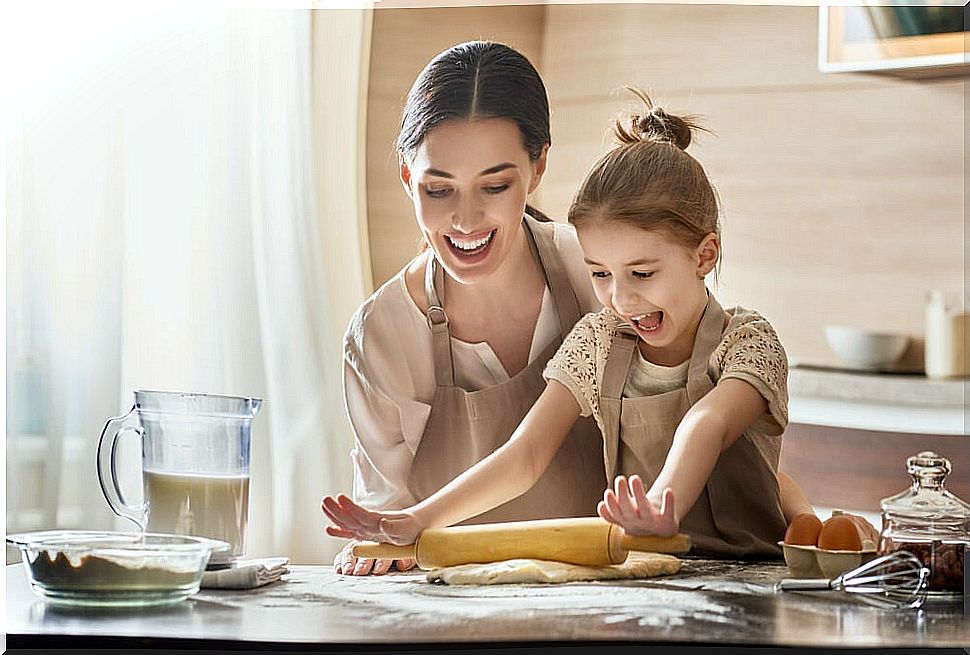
(651,281)
(469,180)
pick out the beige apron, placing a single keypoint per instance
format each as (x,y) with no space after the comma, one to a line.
(466,426)
(739,511)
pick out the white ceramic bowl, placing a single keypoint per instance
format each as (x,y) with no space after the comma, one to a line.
(867,349)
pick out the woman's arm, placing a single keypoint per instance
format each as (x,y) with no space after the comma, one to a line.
(381,456)
(505,474)
(710,427)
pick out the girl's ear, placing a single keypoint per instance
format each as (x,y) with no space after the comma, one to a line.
(707,253)
(538,168)
(405,172)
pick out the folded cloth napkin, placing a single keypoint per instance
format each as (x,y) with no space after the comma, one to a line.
(247,574)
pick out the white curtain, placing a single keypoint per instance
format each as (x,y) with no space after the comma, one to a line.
(164,231)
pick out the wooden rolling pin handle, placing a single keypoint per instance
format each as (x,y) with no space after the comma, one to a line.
(677,544)
(374,550)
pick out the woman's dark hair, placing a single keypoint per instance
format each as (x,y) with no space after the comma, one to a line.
(478,79)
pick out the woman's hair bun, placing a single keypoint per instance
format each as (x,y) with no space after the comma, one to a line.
(656,125)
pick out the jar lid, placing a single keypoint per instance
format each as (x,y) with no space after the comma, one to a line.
(927,501)
(928,463)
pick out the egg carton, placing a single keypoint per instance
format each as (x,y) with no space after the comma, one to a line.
(815,562)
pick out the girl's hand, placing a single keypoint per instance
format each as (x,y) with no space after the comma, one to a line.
(351,521)
(629,507)
(345,563)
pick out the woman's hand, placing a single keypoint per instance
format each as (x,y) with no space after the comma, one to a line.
(347,564)
(351,521)
(629,507)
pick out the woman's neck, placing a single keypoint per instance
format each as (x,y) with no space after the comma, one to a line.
(516,282)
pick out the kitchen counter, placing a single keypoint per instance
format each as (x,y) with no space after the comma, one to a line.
(708,602)
(882,402)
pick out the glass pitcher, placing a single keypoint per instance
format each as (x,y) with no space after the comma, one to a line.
(195,465)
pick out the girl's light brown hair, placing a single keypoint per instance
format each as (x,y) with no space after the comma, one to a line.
(649,181)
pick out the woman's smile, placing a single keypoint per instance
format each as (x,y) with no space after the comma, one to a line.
(470,249)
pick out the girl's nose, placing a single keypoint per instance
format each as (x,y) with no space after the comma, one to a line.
(624,298)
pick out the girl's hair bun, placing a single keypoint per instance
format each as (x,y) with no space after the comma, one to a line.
(655,125)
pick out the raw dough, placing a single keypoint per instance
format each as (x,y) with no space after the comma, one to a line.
(525,571)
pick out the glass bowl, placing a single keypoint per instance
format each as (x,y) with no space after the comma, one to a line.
(81,567)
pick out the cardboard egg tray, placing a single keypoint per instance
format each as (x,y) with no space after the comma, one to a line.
(815,562)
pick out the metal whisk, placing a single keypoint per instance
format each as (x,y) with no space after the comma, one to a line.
(898,580)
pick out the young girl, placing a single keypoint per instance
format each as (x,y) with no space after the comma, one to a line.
(691,399)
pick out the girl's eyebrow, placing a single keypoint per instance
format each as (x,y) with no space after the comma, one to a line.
(498,168)
(639,262)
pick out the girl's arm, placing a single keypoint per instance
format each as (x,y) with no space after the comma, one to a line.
(793,499)
(505,474)
(710,427)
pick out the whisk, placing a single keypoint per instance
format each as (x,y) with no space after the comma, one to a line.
(898,580)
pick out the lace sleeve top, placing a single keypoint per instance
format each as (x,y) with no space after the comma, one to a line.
(749,350)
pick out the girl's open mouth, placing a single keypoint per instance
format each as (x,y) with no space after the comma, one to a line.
(648,323)
(470,249)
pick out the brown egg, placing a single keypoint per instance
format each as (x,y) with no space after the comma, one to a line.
(840,533)
(803,530)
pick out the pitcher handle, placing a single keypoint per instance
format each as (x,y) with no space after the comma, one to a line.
(107,470)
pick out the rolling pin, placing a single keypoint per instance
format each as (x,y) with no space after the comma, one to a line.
(584,541)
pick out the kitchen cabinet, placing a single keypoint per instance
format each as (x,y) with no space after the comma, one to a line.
(919,41)
(710,602)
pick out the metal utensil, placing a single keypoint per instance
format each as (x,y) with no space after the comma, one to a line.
(898,578)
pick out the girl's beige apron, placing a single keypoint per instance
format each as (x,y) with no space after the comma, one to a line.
(739,511)
(466,426)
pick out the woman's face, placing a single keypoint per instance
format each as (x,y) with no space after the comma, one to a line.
(469,180)
(652,282)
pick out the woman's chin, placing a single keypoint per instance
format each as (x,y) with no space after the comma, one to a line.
(467,266)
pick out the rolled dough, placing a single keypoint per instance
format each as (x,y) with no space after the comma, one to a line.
(525,571)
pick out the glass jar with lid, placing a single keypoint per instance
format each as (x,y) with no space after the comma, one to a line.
(930,522)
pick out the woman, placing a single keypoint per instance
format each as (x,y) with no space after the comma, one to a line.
(445,359)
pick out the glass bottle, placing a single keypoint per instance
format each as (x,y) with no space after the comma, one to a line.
(930,522)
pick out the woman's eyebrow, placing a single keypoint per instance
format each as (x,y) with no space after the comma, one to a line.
(498,168)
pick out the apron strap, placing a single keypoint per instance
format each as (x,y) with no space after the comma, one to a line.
(550,261)
(444,366)
(708,336)
(618,362)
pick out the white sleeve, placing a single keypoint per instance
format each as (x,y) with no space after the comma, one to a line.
(381,455)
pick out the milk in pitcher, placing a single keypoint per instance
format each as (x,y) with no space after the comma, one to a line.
(213,506)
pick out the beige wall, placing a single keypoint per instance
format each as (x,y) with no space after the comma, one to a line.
(842,193)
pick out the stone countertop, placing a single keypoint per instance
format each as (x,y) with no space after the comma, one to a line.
(845,384)
(708,602)
(876,401)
